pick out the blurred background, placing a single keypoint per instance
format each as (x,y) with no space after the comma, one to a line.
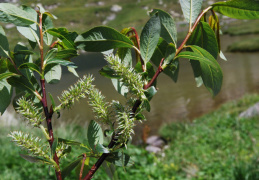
(174,102)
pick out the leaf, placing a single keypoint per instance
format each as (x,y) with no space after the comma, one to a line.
(22,58)
(30,66)
(108,72)
(148,75)
(101,149)
(146,105)
(35,159)
(53,73)
(150,92)
(191,9)
(222,56)
(10,13)
(210,70)
(204,37)
(102,38)
(239,9)
(73,71)
(86,167)
(22,83)
(66,53)
(120,159)
(94,134)
(60,62)
(54,146)
(109,169)
(170,53)
(4,45)
(119,87)
(160,53)
(168,27)
(47,24)
(150,37)
(67,170)
(125,56)
(6,75)
(65,36)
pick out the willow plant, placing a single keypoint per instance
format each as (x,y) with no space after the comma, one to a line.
(155,48)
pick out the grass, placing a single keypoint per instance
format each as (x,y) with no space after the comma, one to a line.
(218,145)
(247,45)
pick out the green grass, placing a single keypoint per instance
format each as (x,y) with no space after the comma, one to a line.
(248,45)
(218,145)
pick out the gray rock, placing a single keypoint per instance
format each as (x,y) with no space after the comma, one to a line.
(116,8)
(153,149)
(250,112)
(155,141)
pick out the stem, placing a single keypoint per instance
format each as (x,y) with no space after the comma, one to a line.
(82,167)
(44,102)
(99,162)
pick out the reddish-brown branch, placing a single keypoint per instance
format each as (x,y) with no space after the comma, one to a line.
(99,162)
(82,167)
(44,101)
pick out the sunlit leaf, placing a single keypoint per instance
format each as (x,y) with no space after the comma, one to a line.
(191,9)
(94,134)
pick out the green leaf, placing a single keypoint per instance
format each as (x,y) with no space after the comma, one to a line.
(6,75)
(160,53)
(102,38)
(66,53)
(22,58)
(53,73)
(125,56)
(150,92)
(146,105)
(101,149)
(108,72)
(191,9)
(239,9)
(4,45)
(22,83)
(119,87)
(61,62)
(67,170)
(109,169)
(47,24)
(210,70)
(120,159)
(168,27)
(170,53)
(94,134)
(204,37)
(65,36)
(73,71)
(148,75)
(10,13)
(54,146)
(30,66)
(150,37)
(36,159)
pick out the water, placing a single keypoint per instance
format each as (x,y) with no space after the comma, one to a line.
(174,101)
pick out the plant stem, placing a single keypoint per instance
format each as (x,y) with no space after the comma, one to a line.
(99,162)
(44,101)
(82,167)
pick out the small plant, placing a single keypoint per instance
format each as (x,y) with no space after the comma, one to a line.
(156,47)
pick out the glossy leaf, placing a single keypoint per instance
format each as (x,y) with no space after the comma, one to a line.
(61,62)
(170,53)
(35,159)
(94,134)
(22,83)
(53,73)
(22,58)
(4,45)
(125,55)
(66,53)
(102,38)
(67,170)
(168,27)
(65,36)
(150,37)
(160,52)
(119,87)
(191,9)
(150,92)
(210,70)
(47,24)
(108,72)
(10,13)
(239,9)
(101,149)
(146,105)
(30,66)
(120,159)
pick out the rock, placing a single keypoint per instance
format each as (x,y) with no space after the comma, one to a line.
(116,8)
(250,112)
(153,149)
(155,141)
